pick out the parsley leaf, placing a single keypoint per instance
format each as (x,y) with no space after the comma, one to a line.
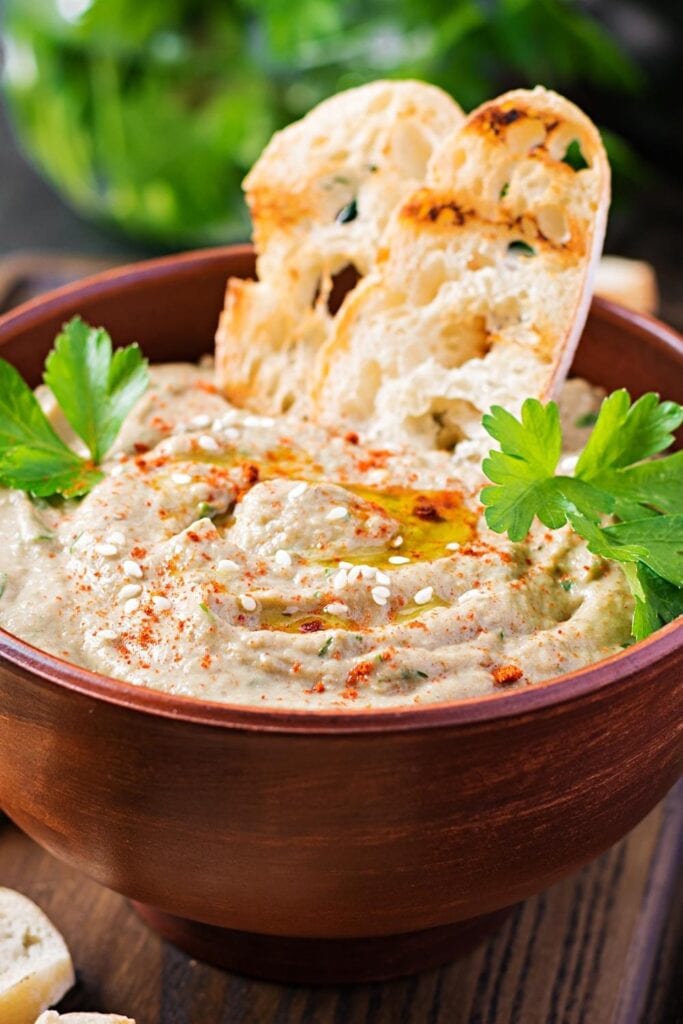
(95,391)
(32,456)
(525,470)
(657,602)
(610,478)
(626,433)
(95,388)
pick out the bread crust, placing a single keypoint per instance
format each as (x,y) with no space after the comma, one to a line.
(483,280)
(35,965)
(320,197)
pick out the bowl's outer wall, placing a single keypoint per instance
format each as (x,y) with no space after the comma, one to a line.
(311,833)
(320,835)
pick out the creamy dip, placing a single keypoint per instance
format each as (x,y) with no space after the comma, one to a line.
(251,560)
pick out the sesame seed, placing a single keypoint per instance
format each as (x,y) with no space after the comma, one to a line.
(397,541)
(107,634)
(132,569)
(339,580)
(338,512)
(106,550)
(162,604)
(424,596)
(130,607)
(336,608)
(380,595)
(468,595)
(116,538)
(200,421)
(247,602)
(367,571)
(208,443)
(346,565)
(258,421)
(453,545)
(398,559)
(181,478)
(382,577)
(217,425)
(232,433)
(283,558)
(130,590)
(297,490)
(201,491)
(227,565)
(355,573)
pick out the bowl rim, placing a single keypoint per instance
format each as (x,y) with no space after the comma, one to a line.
(249,717)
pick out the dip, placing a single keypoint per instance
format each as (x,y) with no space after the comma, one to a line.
(249,560)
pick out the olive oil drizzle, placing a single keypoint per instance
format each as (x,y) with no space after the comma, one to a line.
(429,520)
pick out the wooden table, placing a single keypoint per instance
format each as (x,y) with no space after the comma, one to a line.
(600,948)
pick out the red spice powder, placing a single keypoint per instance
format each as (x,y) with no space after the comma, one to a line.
(311,627)
(160,424)
(505,675)
(358,674)
(374,459)
(251,472)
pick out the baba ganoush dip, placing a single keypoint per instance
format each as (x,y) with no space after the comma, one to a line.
(249,560)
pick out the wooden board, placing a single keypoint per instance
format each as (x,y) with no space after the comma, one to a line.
(599,948)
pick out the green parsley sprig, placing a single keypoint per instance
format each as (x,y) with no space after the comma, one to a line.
(95,388)
(627,509)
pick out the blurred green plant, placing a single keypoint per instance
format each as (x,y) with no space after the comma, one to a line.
(146,113)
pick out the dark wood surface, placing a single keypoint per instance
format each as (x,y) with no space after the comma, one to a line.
(601,947)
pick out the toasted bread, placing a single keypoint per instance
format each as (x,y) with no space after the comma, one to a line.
(50,1017)
(632,283)
(320,197)
(483,282)
(35,966)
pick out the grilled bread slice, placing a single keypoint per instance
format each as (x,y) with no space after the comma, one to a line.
(320,197)
(632,283)
(50,1017)
(35,966)
(483,282)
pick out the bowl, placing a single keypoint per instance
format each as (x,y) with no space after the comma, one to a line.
(317,846)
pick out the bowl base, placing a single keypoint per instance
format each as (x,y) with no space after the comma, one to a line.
(323,961)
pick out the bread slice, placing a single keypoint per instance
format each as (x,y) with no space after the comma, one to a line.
(320,197)
(632,283)
(483,283)
(35,966)
(51,1017)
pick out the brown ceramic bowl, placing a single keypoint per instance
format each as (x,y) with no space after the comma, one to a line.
(315,845)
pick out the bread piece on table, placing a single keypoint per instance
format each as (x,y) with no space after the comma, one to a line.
(35,966)
(483,283)
(51,1017)
(320,196)
(632,283)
